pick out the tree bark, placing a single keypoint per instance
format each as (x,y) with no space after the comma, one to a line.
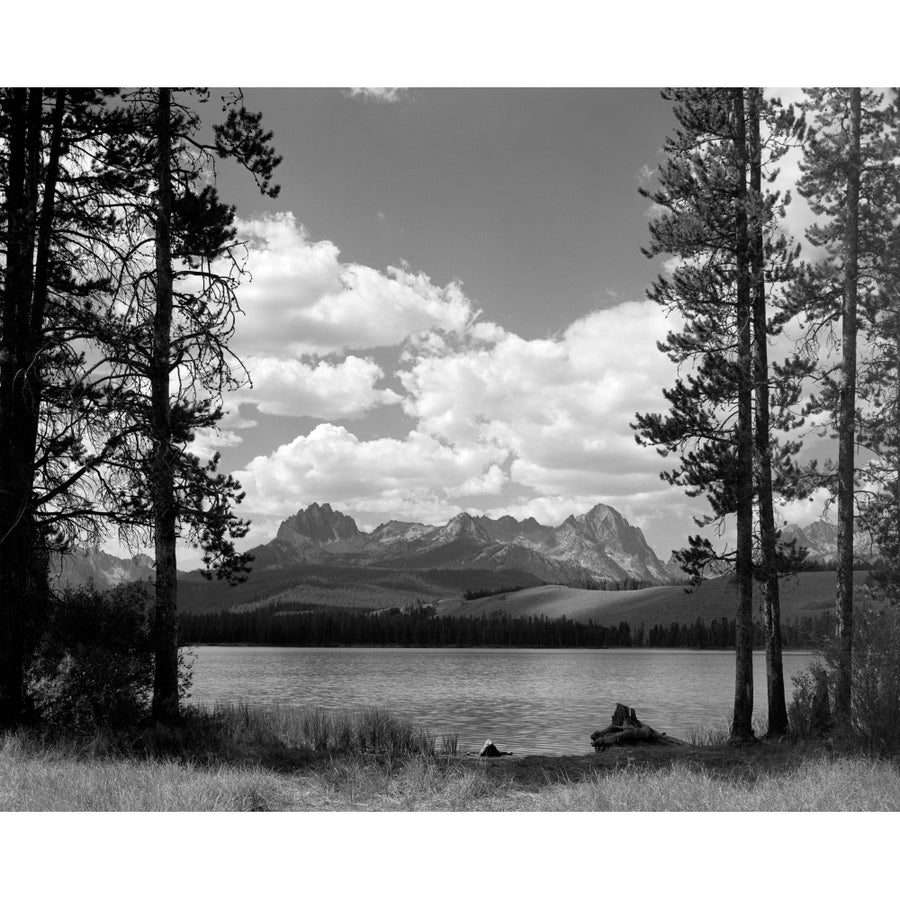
(742,722)
(778,722)
(847,427)
(24,304)
(13,486)
(162,474)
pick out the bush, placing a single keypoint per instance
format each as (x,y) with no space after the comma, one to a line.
(875,698)
(94,665)
(876,679)
(809,712)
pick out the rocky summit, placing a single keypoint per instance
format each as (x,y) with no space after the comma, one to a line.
(598,545)
(819,539)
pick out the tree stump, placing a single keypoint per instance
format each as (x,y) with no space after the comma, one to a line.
(627,728)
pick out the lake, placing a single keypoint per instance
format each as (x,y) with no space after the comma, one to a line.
(528,701)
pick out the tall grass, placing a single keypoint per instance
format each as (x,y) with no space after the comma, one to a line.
(365,731)
(238,758)
(718,734)
(60,777)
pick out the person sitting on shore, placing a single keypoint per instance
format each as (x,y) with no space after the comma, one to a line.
(490,749)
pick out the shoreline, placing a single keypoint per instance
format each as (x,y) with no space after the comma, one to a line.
(791,650)
(234,763)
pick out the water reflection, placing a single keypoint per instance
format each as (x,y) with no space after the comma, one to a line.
(529,701)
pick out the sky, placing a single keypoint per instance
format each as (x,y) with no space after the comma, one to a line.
(447,310)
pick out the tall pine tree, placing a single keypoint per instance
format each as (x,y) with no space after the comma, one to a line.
(177,305)
(704,224)
(844,166)
(720,225)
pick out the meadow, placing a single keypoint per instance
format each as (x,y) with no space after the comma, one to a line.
(237,758)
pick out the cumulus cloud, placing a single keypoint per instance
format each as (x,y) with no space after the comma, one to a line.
(379,94)
(207,441)
(416,474)
(819,505)
(342,390)
(487,484)
(561,406)
(303,299)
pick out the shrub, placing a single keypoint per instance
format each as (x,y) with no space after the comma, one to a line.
(809,712)
(94,665)
(875,698)
(876,679)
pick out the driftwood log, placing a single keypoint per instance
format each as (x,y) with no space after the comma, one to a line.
(627,728)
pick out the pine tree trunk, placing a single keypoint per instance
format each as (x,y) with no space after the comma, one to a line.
(778,723)
(742,723)
(847,427)
(13,485)
(24,303)
(162,474)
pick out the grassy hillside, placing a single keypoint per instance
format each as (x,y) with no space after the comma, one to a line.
(810,593)
(347,586)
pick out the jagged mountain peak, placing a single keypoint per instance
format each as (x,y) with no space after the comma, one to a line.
(317,523)
(463,525)
(396,531)
(509,530)
(603,541)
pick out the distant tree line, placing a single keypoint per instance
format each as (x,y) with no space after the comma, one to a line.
(613,584)
(586,583)
(419,627)
(477,593)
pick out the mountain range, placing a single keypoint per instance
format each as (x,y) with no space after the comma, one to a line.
(597,545)
(103,569)
(820,540)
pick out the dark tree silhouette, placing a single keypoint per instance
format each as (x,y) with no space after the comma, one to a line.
(54,174)
(180,266)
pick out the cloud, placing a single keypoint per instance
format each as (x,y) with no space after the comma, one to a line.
(819,505)
(209,440)
(302,299)
(562,407)
(414,475)
(379,94)
(487,484)
(503,425)
(324,390)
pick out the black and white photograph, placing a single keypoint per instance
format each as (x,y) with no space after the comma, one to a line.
(478,448)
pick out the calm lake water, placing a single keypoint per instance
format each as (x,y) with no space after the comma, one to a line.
(528,701)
